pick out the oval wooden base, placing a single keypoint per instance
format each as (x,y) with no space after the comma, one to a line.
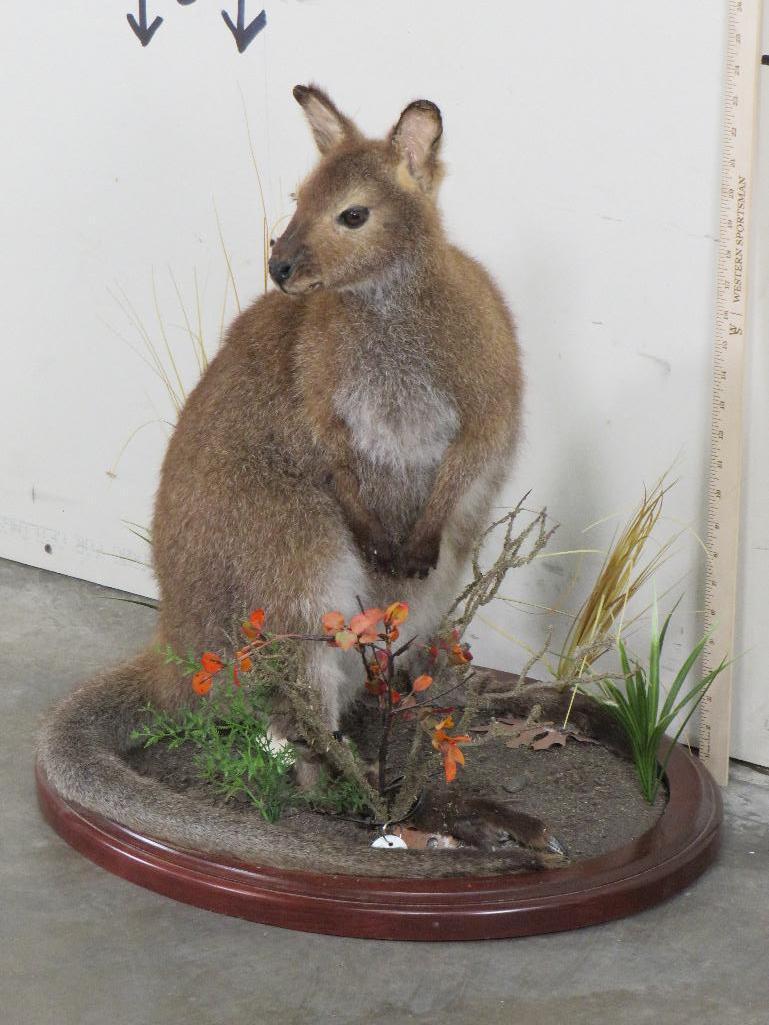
(655,866)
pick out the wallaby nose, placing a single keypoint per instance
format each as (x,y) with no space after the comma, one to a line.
(280,270)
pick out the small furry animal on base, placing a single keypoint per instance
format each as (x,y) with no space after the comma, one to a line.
(352,432)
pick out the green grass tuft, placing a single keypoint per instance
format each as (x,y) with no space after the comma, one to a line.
(643,712)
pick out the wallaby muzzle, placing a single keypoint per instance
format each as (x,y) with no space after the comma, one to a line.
(280,270)
(289,256)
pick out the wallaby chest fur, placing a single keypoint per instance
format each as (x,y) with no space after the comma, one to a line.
(352,432)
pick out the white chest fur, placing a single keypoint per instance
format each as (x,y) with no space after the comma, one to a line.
(401,421)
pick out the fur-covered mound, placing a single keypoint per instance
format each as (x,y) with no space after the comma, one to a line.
(85,749)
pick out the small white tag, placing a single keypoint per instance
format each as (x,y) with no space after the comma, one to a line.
(389,841)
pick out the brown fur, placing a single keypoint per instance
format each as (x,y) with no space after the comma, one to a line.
(350,435)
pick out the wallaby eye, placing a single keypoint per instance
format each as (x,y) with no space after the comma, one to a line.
(354,216)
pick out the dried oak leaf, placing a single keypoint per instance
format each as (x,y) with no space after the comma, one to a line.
(549,737)
(538,736)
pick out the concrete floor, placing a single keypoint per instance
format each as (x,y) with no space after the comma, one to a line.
(81,947)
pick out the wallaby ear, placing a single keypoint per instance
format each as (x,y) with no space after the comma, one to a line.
(416,137)
(329,127)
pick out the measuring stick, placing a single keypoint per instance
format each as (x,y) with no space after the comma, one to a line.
(742,64)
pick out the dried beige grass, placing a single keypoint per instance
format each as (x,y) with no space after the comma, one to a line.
(602,615)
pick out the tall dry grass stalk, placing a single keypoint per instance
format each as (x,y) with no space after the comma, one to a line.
(602,616)
(265,219)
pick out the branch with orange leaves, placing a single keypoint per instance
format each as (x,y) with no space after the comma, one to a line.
(373,633)
(378,654)
(211,664)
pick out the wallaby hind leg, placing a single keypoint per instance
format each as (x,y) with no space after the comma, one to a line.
(336,676)
(333,680)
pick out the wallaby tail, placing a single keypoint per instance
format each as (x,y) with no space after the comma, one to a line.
(82,744)
(82,750)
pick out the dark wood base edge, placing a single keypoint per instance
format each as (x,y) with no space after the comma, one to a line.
(653,868)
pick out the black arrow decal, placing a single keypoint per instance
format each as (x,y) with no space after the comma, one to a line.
(244,34)
(141,29)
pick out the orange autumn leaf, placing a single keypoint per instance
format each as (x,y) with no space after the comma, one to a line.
(382,660)
(452,756)
(201,683)
(459,654)
(379,688)
(450,761)
(367,637)
(252,627)
(244,660)
(364,625)
(449,747)
(211,662)
(439,731)
(422,683)
(396,613)
(345,639)
(460,738)
(455,752)
(333,622)
(359,624)
(365,620)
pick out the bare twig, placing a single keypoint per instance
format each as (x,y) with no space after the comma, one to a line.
(495,698)
(485,583)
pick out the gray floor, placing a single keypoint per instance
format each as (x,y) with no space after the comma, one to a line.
(81,947)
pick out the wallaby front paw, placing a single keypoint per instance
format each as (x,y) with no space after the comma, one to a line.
(380,553)
(420,556)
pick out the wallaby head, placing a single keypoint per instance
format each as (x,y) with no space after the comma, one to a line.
(367,212)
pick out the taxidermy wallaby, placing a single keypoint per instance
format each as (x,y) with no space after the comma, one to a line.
(352,432)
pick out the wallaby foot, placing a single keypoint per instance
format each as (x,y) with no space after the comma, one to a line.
(308,767)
